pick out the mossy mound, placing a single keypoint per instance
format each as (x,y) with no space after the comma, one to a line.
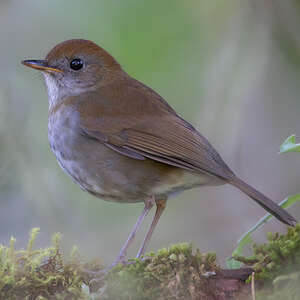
(174,273)
(277,266)
(280,255)
(285,287)
(40,274)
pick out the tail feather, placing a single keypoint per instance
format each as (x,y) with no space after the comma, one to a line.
(270,206)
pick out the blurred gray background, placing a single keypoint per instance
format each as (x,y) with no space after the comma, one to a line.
(229,67)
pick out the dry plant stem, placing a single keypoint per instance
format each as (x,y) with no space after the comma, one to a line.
(160,206)
(148,205)
(253,285)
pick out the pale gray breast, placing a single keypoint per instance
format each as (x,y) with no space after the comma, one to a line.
(89,163)
(63,135)
(68,145)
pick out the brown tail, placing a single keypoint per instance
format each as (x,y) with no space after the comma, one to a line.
(270,206)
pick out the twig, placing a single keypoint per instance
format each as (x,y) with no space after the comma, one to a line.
(253,285)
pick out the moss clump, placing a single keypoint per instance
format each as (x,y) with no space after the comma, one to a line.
(283,287)
(280,255)
(174,273)
(40,274)
(277,266)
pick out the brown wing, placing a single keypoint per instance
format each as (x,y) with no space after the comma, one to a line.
(133,120)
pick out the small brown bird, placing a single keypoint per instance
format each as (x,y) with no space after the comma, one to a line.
(121,141)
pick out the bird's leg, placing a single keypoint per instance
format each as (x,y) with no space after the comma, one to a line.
(149,202)
(98,276)
(160,206)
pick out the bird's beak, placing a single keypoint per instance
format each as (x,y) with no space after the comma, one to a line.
(41,65)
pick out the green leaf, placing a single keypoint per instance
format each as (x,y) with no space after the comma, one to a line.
(289,145)
(290,200)
(238,251)
(246,239)
(231,263)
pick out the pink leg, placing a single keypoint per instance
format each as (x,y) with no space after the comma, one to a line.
(160,206)
(148,205)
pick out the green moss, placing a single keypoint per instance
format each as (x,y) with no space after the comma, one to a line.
(174,273)
(277,264)
(285,287)
(280,255)
(40,274)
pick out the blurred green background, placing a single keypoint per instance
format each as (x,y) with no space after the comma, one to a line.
(229,67)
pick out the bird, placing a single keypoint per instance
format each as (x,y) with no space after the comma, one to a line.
(122,142)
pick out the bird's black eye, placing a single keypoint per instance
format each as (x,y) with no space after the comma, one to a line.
(76,64)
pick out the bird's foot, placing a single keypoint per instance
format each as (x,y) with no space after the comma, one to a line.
(97,279)
(97,282)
